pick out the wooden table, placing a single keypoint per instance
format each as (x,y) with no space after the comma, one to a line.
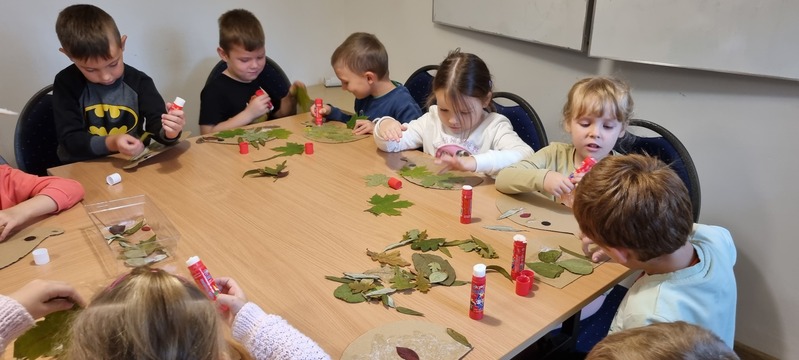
(280,238)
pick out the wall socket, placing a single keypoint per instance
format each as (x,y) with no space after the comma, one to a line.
(332,82)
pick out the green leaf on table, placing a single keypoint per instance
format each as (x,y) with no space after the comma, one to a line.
(438,276)
(549,256)
(392,258)
(545,269)
(427,244)
(362,286)
(458,337)
(303,100)
(47,337)
(415,172)
(401,280)
(276,172)
(387,204)
(278,133)
(407,311)
(288,150)
(227,134)
(344,292)
(500,270)
(575,254)
(422,283)
(577,266)
(445,251)
(502,228)
(376,180)
(422,264)
(339,279)
(353,119)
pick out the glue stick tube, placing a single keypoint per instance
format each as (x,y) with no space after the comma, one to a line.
(177,104)
(202,277)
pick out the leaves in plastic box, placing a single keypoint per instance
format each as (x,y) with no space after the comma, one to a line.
(387,204)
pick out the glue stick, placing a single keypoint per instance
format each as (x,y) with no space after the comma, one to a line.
(177,104)
(477,301)
(202,277)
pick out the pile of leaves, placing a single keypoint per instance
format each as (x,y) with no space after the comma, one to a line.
(256,137)
(427,178)
(419,240)
(137,244)
(387,204)
(275,172)
(550,267)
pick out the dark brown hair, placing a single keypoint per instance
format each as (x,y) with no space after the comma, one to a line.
(635,202)
(462,75)
(86,32)
(240,27)
(362,52)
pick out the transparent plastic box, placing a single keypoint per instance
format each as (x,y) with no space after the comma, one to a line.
(132,231)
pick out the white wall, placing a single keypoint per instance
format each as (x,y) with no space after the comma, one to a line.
(740,130)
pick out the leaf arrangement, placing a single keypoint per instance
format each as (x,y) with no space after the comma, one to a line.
(550,267)
(419,240)
(426,178)
(143,252)
(256,137)
(288,150)
(331,132)
(46,338)
(275,172)
(387,204)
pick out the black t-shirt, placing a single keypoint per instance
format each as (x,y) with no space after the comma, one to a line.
(223,97)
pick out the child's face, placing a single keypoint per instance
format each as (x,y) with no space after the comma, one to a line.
(466,119)
(243,65)
(104,71)
(594,136)
(359,85)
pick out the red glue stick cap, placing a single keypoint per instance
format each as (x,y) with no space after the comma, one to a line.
(395,183)
(309,148)
(244,147)
(523,285)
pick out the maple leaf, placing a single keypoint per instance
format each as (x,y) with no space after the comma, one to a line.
(227,134)
(278,133)
(376,180)
(387,205)
(422,284)
(415,172)
(288,150)
(46,337)
(393,258)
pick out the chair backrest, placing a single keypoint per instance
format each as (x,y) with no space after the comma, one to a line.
(279,82)
(665,146)
(35,139)
(420,85)
(523,117)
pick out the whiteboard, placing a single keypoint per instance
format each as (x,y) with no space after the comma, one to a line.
(756,37)
(552,22)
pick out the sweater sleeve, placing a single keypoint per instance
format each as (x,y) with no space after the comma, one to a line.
(14,321)
(18,186)
(269,336)
(528,175)
(506,147)
(151,104)
(411,138)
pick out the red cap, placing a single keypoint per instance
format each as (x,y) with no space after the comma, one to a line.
(309,148)
(523,285)
(260,92)
(244,147)
(395,183)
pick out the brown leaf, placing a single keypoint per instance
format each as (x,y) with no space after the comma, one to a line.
(392,258)
(407,354)
(422,284)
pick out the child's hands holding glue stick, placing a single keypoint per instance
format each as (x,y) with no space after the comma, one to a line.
(230,296)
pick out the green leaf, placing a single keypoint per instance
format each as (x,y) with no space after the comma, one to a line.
(353,119)
(458,337)
(278,133)
(428,244)
(445,251)
(46,337)
(500,270)
(460,283)
(421,262)
(415,172)
(135,228)
(303,100)
(387,205)
(376,180)
(288,150)
(339,279)
(401,280)
(549,256)
(388,301)
(227,134)
(545,269)
(502,228)
(575,254)
(438,276)
(393,258)
(423,284)
(577,266)
(344,292)
(407,311)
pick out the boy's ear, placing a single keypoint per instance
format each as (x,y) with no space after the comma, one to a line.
(371,78)
(122,42)
(621,255)
(222,53)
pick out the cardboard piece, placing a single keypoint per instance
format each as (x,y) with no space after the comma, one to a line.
(536,244)
(428,340)
(331,132)
(154,149)
(24,242)
(460,178)
(545,214)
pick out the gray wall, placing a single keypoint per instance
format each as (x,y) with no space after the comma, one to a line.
(740,130)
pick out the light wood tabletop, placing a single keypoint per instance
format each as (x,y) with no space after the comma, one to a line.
(279,239)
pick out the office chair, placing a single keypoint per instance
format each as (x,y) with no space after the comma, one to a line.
(420,85)
(278,85)
(35,139)
(525,120)
(665,146)
(3,160)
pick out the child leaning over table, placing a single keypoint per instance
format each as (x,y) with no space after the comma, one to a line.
(463,117)
(24,197)
(361,63)
(228,101)
(101,104)
(637,210)
(596,114)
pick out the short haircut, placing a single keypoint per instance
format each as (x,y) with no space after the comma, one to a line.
(462,75)
(593,96)
(240,27)
(662,341)
(85,32)
(635,202)
(362,52)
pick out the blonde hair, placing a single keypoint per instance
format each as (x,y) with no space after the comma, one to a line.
(148,314)
(662,341)
(593,96)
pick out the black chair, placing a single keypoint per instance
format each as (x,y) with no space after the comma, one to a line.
(279,83)
(525,120)
(35,139)
(665,146)
(420,85)
(3,160)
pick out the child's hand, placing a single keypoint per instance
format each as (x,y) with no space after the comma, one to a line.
(9,219)
(391,129)
(294,87)
(362,127)
(576,177)
(43,297)
(173,122)
(464,163)
(258,106)
(596,254)
(231,296)
(325,110)
(125,144)
(557,184)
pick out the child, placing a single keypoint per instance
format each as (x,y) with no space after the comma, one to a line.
(228,101)
(361,63)
(149,313)
(662,341)
(24,197)
(596,113)
(638,211)
(462,90)
(101,104)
